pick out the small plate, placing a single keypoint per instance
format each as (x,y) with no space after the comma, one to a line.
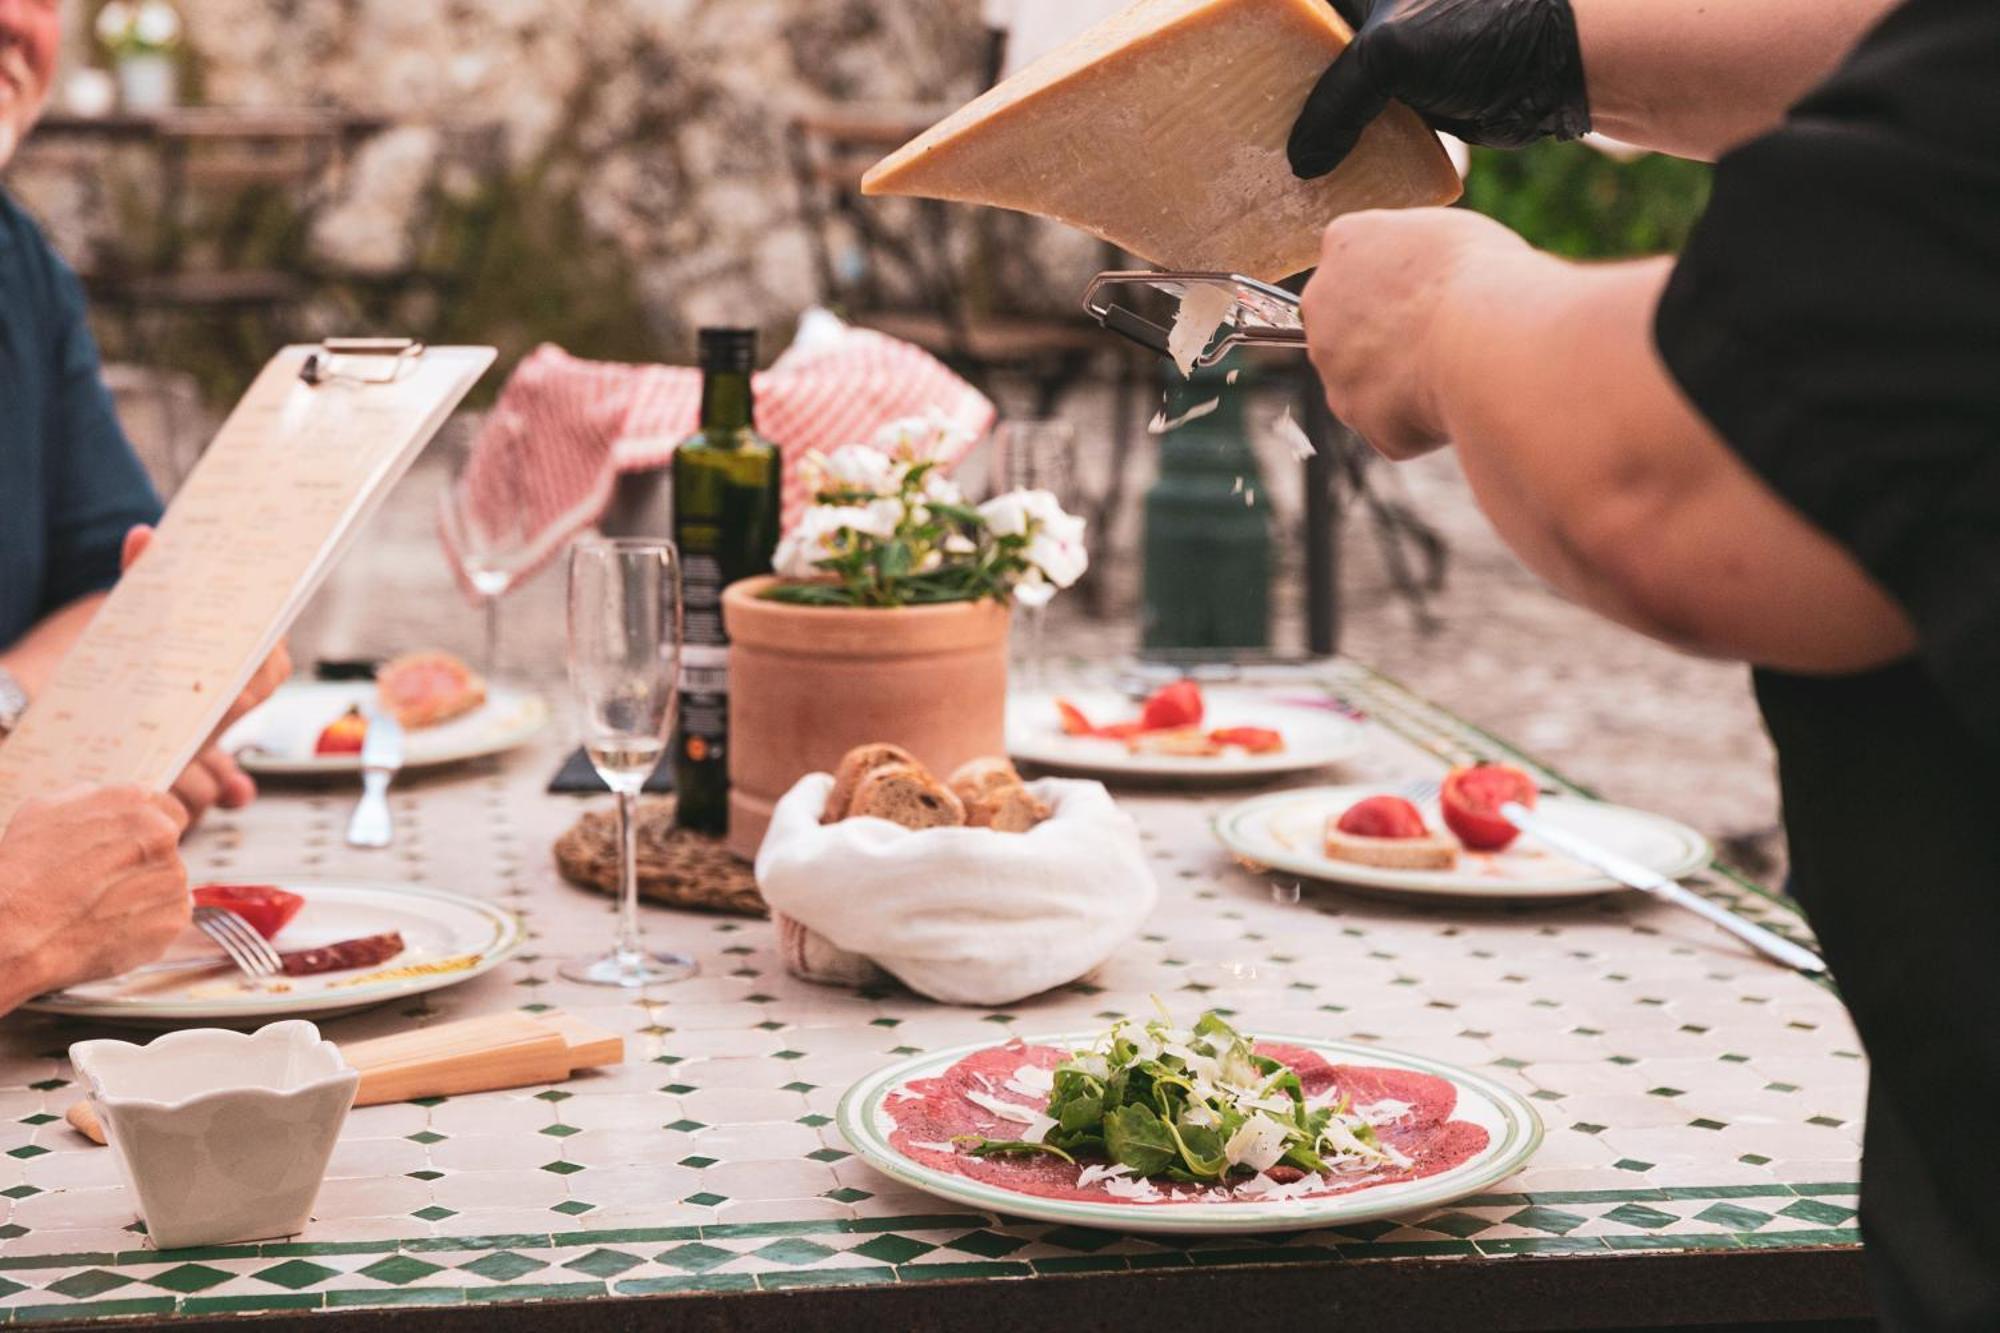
(1314,737)
(435,925)
(1286,831)
(277,738)
(1513,1133)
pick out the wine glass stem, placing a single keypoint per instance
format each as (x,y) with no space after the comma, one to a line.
(628,874)
(1032,656)
(492,656)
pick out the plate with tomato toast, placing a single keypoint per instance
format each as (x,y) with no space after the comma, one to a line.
(1452,845)
(1181,731)
(345,945)
(309,728)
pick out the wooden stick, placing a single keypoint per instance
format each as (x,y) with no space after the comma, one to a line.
(492,1051)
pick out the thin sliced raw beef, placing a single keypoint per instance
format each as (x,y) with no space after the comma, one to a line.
(930,1112)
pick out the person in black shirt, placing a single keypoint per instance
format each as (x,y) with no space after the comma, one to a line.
(1782,448)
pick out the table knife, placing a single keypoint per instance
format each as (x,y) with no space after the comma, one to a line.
(1634,875)
(381,756)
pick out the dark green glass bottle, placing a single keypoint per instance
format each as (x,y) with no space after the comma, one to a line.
(726,479)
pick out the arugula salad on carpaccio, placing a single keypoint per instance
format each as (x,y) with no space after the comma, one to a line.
(1154,1113)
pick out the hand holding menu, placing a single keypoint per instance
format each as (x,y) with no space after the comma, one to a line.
(254,529)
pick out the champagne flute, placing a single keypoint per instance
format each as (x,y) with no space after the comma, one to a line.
(1035,454)
(624,666)
(484,516)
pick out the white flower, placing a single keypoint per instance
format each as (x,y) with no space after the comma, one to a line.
(1033,590)
(1061,561)
(884,516)
(933,437)
(113,22)
(157,24)
(825,531)
(860,467)
(942,490)
(1006,515)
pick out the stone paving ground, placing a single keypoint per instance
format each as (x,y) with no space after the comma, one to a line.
(1640,723)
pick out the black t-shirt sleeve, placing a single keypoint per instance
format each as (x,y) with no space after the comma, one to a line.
(1836,317)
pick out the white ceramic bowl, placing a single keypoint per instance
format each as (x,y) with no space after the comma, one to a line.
(222,1136)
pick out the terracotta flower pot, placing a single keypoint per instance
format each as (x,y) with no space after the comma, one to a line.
(809,683)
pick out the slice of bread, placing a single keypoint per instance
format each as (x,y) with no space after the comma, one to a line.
(1180,741)
(1005,810)
(905,794)
(854,766)
(976,778)
(1426,853)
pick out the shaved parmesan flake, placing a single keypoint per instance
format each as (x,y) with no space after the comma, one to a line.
(1160,424)
(1095,1172)
(936,1147)
(1006,1110)
(1038,1129)
(1125,1187)
(1203,308)
(1384,1112)
(1293,436)
(906,1094)
(1262,1186)
(1032,1081)
(1258,1144)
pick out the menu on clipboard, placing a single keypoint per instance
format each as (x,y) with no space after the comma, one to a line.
(307,454)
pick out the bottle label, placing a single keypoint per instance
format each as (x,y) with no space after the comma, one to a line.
(704,669)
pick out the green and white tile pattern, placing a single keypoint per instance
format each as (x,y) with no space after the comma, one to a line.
(1696,1097)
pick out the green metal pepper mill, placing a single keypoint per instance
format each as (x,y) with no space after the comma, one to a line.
(1207,577)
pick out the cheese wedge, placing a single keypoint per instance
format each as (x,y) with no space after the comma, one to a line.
(1163,129)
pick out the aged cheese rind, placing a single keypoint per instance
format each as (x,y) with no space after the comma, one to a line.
(1163,131)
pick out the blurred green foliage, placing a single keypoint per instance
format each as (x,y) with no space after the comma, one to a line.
(1575,201)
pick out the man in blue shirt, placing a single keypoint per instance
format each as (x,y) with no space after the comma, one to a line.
(91,882)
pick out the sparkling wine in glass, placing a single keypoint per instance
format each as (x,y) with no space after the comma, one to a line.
(1035,454)
(484,514)
(624,666)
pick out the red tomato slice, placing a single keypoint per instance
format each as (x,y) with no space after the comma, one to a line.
(343,735)
(1471,802)
(1257,740)
(265,906)
(1383,817)
(1074,723)
(1172,706)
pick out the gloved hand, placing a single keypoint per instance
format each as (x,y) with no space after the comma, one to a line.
(1497,72)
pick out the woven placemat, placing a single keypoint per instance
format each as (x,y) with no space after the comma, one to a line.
(676,867)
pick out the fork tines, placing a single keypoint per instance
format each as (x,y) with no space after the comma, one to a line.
(251,952)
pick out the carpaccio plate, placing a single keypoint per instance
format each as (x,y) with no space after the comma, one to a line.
(1462,1133)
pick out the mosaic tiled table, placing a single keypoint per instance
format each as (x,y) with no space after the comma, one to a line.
(1703,1109)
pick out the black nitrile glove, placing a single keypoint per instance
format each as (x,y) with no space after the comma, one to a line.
(1503,73)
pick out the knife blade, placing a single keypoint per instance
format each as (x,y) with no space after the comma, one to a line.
(1633,875)
(381,757)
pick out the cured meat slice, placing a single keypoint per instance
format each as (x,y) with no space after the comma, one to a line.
(1416,1110)
(342,955)
(424,689)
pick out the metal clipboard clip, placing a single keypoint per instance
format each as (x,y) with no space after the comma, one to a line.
(360,360)
(1262,316)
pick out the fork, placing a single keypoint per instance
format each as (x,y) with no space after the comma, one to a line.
(252,953)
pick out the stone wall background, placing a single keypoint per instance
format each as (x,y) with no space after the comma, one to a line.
(618,168)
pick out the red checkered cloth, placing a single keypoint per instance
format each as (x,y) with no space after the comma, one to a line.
(564,428)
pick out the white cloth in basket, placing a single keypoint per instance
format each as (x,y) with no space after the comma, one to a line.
(963,915)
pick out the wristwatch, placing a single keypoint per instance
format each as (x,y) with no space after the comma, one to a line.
(13,702)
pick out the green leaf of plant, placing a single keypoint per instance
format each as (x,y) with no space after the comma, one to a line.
(1135,1137)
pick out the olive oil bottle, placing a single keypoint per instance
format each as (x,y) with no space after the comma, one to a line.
(726,480)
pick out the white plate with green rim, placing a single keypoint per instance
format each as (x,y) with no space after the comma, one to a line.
(866,1116)
(461,935)
(1314,737)
(277,738)
(1285,831)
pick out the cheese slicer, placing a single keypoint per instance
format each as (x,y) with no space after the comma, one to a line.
(1259,315)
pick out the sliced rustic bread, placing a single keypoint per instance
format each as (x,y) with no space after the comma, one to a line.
(976,778)
(1431,852)
(854,766)
(1005,810)
(905,794)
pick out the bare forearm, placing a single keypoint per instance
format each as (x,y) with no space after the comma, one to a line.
(1606,482)
(1695,77)
(34,657)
